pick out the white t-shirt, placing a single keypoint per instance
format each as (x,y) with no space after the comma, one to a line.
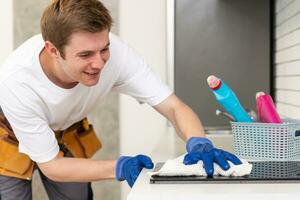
(35,106)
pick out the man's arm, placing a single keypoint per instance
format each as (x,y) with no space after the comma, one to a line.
(189,127)
(185,121)
(127,168)
(64,169)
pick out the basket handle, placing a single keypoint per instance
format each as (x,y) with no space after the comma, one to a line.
(297,133)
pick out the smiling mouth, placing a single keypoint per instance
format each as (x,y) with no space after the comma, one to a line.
(92,73)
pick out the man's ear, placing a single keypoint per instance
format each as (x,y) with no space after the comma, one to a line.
(51,49)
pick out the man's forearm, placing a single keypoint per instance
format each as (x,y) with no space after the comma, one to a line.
(183,118)
(78,169)
(186,123)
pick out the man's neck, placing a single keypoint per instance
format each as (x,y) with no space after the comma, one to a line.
(50,68)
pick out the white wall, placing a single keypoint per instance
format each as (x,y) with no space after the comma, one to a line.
(142,23)
(6,26)
(287,56)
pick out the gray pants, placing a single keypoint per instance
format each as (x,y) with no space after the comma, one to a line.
(14,189)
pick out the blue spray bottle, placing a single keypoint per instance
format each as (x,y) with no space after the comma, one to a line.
(228,100)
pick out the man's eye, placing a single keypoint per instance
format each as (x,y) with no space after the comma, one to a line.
(84,55)
(106,49)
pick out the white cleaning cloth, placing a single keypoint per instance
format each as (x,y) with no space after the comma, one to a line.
(175,167)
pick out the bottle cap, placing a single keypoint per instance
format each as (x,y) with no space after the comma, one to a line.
(258,94)
(214,82)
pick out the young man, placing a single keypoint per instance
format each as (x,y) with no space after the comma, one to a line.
(51,82)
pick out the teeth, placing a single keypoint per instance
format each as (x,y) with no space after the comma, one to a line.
(91,73)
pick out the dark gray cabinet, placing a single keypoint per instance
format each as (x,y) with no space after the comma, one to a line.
(228,38)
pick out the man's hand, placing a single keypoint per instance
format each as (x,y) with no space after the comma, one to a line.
(128,168)
(199,148)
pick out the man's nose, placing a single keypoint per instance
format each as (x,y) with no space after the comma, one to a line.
(98,61)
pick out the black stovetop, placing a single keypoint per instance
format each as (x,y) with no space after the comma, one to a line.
(262,172)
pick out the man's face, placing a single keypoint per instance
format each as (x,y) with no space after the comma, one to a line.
(85,57)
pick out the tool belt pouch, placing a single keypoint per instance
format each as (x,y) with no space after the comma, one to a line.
(82,141)
(89,141)
(12,162)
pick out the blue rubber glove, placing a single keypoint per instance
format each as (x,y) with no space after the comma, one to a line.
(128,168)
(199,148)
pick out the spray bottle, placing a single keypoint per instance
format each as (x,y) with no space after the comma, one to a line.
(228,100)
(266,109)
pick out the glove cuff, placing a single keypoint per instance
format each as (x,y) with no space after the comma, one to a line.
(119,167)
(193,141)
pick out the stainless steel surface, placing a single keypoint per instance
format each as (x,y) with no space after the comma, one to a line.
(221,138)
(217,132)
(225,114)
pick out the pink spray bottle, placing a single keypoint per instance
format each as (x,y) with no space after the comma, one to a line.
(266,109)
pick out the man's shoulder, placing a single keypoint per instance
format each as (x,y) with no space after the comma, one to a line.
(24,54)
(117,45)
(28,46)
(121,51)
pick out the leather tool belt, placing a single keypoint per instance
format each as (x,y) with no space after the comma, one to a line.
(79,140)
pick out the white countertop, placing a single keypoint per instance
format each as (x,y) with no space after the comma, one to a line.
(165,149)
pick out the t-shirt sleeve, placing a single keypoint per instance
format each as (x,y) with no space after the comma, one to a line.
(36,139)
(139,81)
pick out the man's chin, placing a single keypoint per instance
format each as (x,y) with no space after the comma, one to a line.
(90,83)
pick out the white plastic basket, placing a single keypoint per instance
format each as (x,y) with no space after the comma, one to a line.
(263,141)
